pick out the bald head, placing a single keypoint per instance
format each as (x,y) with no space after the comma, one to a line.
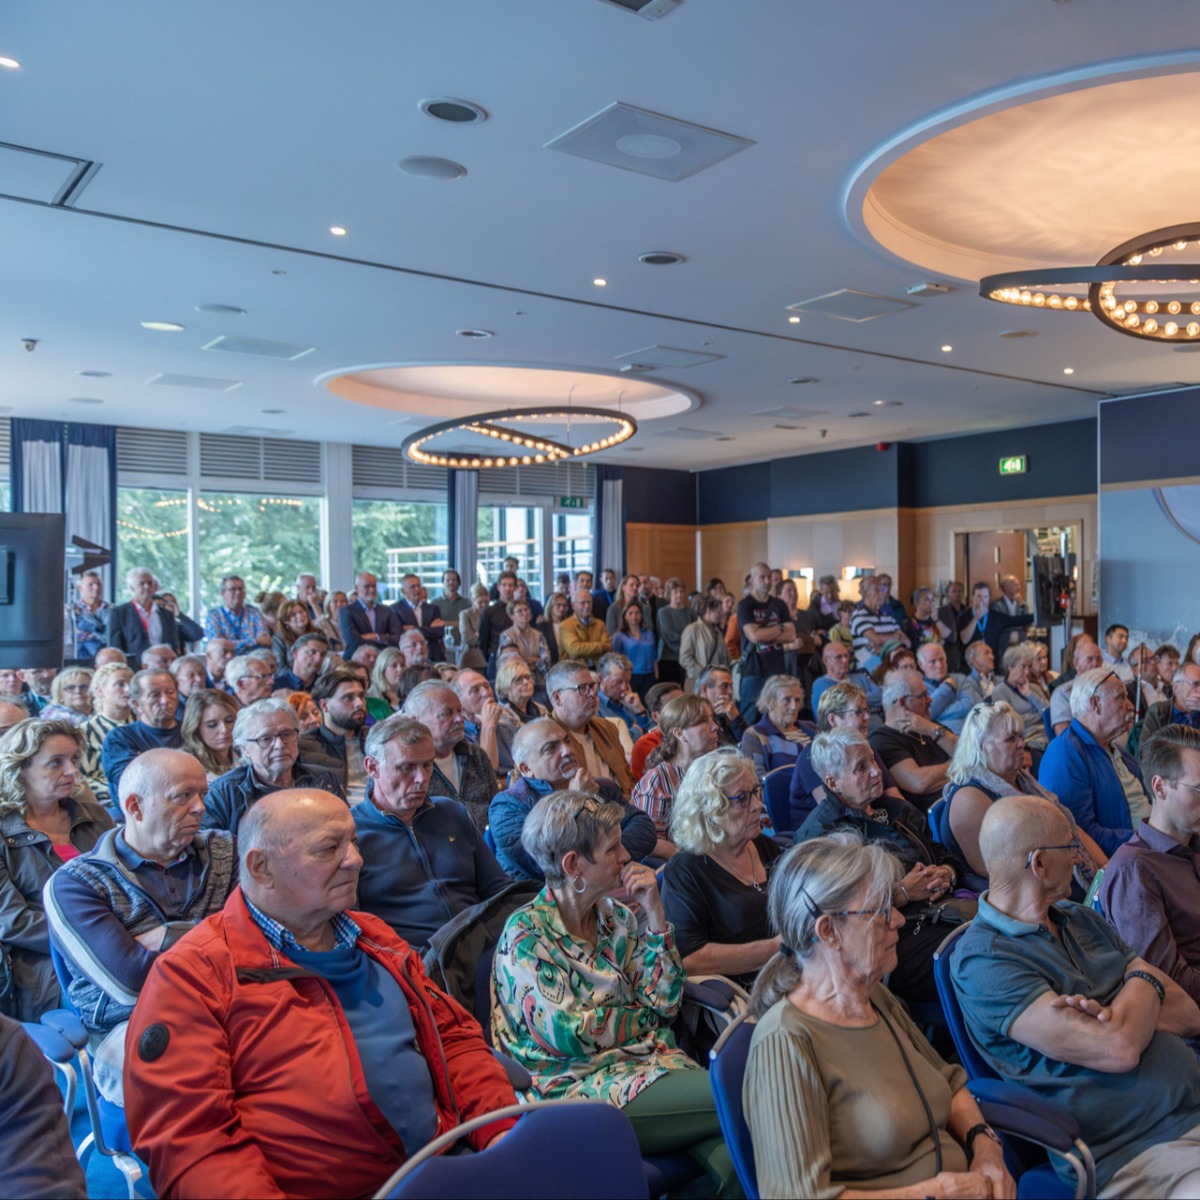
(10,714)
(1014,826)
(162,795)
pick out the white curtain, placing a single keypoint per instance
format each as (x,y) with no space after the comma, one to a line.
(42,487)
(466,528)
(89,499)
(611,550)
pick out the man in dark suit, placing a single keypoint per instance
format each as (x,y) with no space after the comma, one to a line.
(416,612)
(363,620)
(605,595)
(140,623)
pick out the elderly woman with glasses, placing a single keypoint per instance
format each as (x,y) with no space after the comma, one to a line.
(715,888)
(585,991)
(70,696)
(843,1096)
(779,736)
(854,802)
(989,763)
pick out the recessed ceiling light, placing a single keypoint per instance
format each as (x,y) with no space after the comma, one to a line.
(1068,370)
(725,439)
(858,414)
(475,333)
(880,403)
(457,112)
(221,310)
(273,411)
(278,271)
(439,169)
(94,374)
(337,231)
(793,320)
(10,64)
(661,258)
(889,403)
(162,326)
(1009,334)
(83,400)
(947,349)
(803,379)
(600,282)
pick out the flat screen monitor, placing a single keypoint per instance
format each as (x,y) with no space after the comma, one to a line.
(32,582)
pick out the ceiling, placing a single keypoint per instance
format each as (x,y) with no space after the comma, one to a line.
(231,137)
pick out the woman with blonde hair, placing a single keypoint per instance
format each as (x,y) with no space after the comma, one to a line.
(45,821)
(715,888)
(207,730)
(70,696)
(382,697)
(110,706)
(515,686)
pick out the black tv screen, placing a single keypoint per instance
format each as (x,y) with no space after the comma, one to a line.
(32,587)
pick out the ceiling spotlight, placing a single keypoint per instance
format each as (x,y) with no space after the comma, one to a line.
(457,112)
(337,231)
(600,282)
(947,349)
(661,258)
(162,326)
(10,64)
(803,379)
(880,403)
(1068,370)
(793,320)
(475,333)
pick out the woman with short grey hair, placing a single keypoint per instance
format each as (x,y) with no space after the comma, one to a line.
(1019,690)
(841,1090)
(585,995)
(715,888)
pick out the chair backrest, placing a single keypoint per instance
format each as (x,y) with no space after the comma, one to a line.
(776,786)
(727,1068)
(489,839)
(937,816)
(975,1064)
(604,1160)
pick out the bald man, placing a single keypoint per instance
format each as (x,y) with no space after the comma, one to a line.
(10,714)
(285,993)
(1054,1000)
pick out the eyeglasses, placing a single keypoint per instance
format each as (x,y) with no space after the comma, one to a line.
(852,712)
(745,799)
(589,806)
(1075,847)
(870,913)
(75,687)
(584,689)
(248,675)
(284,736)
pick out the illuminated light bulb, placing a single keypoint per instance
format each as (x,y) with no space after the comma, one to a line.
(1039,300)
(475,462)
(1170,329)
(1109,302)
(1068,370)
(1193,329)
(1055,302)
(1026,297)
(1087,306)
(526,460)
(1072,303)
(508,437)
(1180,245)
(541,458)
(1155,251)
(793,320)
(1133,320)
(1130,306)
(1196,307)
(512,462)
(487,462)
(1134,260)
(1151,326)
(1152,306)
(1174,307)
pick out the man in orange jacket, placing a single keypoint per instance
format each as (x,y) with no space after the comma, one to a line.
(286,1046)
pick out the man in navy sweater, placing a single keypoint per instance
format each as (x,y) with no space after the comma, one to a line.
(154,698)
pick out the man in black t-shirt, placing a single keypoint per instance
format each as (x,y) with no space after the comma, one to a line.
(765,625)
(915,749)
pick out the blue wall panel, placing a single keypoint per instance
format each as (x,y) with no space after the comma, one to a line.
(840,481)
(659,497)
(734,494)
(1150,437)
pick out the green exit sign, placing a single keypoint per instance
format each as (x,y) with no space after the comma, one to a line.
(1014,464)
(572,502)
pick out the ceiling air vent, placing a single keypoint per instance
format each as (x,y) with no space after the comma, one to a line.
(651,10)
(57,179)
(203,382)
(152,451)
(667,356)
(241,345)
(849,305)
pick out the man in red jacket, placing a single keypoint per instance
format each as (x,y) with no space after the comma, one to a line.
(286,1046)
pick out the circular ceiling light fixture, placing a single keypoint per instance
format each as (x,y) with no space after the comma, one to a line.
(661,258)
(221,310)
(1144,288)
(457,112)
(521,437)
(440,169)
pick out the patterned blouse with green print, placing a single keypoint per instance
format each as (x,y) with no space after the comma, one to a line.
(587,1023)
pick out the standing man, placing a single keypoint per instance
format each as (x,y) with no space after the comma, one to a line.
(605,595)
(509,566)
(1116,639)
(236,620)
(364,621)
(140,623)
(88,611)
(948,615)
(581,638)
(765,625)
(415,612)
(495,620)
(452,605)
(982,623)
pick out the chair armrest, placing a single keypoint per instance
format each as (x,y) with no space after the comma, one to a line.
(518,1077)
(67,1025)
(50,1042)
(1013,1096)
(1018,1123)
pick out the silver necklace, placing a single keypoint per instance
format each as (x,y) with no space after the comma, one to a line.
(753,880)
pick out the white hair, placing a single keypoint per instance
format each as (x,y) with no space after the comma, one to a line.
(135,573)
(1085,686)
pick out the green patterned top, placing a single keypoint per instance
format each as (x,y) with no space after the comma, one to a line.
(587,1023)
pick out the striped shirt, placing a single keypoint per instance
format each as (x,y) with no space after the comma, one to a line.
(881,622)
(345,930)
(655,793)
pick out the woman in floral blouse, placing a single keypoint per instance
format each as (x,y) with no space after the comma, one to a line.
(585,993)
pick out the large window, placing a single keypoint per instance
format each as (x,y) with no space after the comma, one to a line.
(152,531)
(573,543)
(511,532)
(397,538)
(267,540)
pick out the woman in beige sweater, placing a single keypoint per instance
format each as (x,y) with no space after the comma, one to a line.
(843,1096)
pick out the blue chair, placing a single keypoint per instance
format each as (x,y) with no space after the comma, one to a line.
(727,1067)
(938,817)
(489,839)
(61,1056)
(604,1159)
(776,787)
(1031,1126)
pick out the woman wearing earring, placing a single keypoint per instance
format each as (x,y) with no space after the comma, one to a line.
(843,1096)
(585,995)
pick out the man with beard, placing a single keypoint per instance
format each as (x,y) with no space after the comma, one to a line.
(337,745)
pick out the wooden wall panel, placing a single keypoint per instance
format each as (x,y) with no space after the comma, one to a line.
(661,550)
(728,551)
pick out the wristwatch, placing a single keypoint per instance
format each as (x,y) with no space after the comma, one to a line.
(974,1132)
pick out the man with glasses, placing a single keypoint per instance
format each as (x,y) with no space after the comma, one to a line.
(836,659)
(574,702)
(236,620)
(581,638)
(1087,767)
(154,699)
(1053,999)
(366,622)
(1184,706)
(1084,657)
(249,679)
(268,736)
(916,750)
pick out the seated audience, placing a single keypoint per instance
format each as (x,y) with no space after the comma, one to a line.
(618,699)
(236,620)
(488,725)
(915,749)
(585,992)
(308,653)
(780,735)
(841,705)
(1085,656)
(413,647)
(544,762)
(1151,888)
(701,645)
(873,626)
(515,688)
(462,771)
(249,679)
(221,1077)
(1184,706)
(334,603)
(217,653)
(688,733)
(337,745)
(37,1159)
(657,698)
(310,715)
(981,677)
(835,1059)
(190,675)
(294,620)
(267,738)
(110,706)
(1016,690)
(574,704)
(115,909)
(528,641)
(1053,999)
(70,696)
(1145,689)
(14,714)
(1040,674)
(1168,663)
(207,728)
(154,700)
(382,698)
(45,821)
(1087,768)
(947,705)
(988,763)
(715,684)
(423,859)
(836,659)
(35,688)
(468,629)
(715,889)
(854,801)
(582,638)
(160,657)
